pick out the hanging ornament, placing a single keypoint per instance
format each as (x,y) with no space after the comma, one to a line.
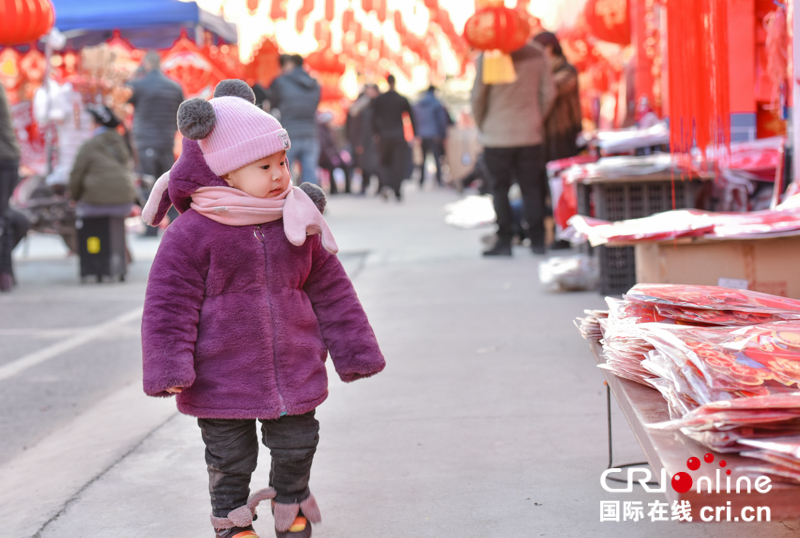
(367,5)
(302,14)
(380,10)
(498,31)
(23,22)
(278,10)
(609,20)
(252,6)
(330,10)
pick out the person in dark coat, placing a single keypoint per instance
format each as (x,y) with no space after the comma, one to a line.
(361,137)
(13,224)
(432,120)
(330,157)
(296,95)
(393,150)
(155,100)
(564,122)
(100,180)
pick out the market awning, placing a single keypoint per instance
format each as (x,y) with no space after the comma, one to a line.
(145,23)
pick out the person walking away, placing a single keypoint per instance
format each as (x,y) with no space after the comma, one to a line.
(330,157)
(361,137)
(296,95)
(13,224)
(393,150)
(432,121)
(243,307)
(155,101)
(510,119)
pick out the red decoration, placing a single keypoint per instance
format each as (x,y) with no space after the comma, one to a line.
(263,68)
(380,10)
(330,10)
(325,61)
(609,20)
(252,6)
(367,5)
(347,20)
(699,102)
(278,10)
(497,28)
(302,14)
(22,22)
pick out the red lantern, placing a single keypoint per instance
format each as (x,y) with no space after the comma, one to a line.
(347,20)
(497,28)
(380,10)
(302,14)
(367,5)
(252,6)
(609,20)
(330,10)
(399,25)
(24,22)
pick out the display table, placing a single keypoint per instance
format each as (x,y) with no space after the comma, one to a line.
(670,449)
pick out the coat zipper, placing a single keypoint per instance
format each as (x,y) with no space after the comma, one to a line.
(257,232)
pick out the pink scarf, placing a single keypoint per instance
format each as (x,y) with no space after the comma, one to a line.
(233,207)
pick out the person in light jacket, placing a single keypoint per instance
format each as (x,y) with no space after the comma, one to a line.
(510,119)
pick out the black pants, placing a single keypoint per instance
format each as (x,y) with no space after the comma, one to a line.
(394,162)
(232,454)
(348,174)
(154,162)
(525,165)
(13,224)
(436,148)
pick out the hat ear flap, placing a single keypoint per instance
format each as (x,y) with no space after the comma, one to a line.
(158,203)
(196,118)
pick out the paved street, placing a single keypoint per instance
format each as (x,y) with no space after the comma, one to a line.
(489,420)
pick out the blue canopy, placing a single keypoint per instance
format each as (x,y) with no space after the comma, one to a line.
(145,23)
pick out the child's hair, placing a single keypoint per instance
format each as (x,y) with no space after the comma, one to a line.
(231,131)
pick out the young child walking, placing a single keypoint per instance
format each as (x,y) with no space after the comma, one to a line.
(245,301)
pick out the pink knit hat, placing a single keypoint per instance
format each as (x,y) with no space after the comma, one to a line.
(231,131)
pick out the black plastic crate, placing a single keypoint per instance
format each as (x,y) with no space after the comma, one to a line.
(101,247)
(630,200)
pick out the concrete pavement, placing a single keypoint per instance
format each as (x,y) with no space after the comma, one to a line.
(489,420)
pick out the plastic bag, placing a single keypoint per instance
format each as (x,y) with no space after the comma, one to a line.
(569,273)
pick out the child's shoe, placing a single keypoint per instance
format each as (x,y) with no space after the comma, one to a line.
(301,528)
(238,532)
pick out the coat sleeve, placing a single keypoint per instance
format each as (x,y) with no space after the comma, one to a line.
(342,320)
(175,293)
(79,169)
(480,94)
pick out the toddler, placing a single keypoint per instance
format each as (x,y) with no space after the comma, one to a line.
(244,302)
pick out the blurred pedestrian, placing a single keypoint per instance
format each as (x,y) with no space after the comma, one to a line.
(432,121)
(296,95)
(331,158)
(394,152)
(100,182)
(155,100)
(564,122)
(361,136)
(244,305)
(13,224)
(510,119)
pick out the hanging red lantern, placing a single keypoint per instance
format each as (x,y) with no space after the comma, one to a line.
(367,5)
(399,25)
(330,10)
(252,6)
(609,20)
(24,22)
(278,10)
(497,28)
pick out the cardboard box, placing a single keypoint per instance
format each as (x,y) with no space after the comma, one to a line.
(765,265)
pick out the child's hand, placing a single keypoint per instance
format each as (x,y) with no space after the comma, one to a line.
(175,390)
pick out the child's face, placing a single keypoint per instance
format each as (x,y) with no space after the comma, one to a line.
(266,178)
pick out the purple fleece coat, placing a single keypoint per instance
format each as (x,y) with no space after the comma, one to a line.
(245,325)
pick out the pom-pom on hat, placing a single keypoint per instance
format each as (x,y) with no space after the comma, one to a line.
(231,131)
